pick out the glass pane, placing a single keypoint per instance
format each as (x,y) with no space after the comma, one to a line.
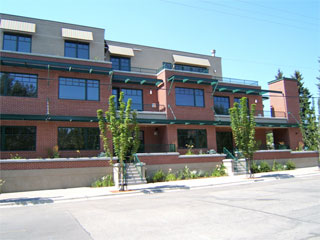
(93,140)
(24,44)
(83,51)
(93,90)
(71,88)
(116,98)
(136,96)
(199,98)
(70,138)
(184,97)
(221,105)
(115,63)
(9,42)
(18,138)
(125,64)
(15,84)
(70,50)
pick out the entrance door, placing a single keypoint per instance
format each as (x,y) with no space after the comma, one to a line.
(141,138)
(224,139)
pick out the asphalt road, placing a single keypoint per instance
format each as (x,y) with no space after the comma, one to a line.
(280,209)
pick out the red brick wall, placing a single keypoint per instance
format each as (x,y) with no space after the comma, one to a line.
(286,154)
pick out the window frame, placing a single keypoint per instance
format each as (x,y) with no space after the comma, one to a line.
(194,97)
(16,73)
(239,98)
(3,138)
(119,90)
(77,48)
(86,89)
(120,65)
(190,68)
(197,140)
(17,35)
(214,104)
(85,140)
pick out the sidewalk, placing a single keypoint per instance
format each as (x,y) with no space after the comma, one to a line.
(84,193)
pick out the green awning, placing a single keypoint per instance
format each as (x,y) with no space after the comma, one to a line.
(132,79)
(189,79)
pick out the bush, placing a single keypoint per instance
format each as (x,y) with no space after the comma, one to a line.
(254,168)
(277,166)
(290,165)
(159,176)
(105,181)
(219,171)
(264,167)
(171,177)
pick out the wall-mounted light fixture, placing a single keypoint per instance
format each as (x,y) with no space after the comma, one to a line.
(156,131)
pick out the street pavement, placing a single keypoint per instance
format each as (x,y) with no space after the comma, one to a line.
(83,193)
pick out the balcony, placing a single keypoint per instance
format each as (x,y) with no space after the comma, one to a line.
(150,111)
(237,81)
(262,117)
(156,148)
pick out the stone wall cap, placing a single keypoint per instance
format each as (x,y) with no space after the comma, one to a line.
(299,152)
(44,160)
(269,151)
(158,154)
(202,155)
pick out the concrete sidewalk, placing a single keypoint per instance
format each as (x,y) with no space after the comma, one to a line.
(83,193)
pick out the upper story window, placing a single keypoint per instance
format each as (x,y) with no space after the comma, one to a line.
(221,105)
(134,94)
(79,89)
(17,84)
(189,97)
(190,68)
(120,63)
(16,42)
(237,100)
(76,49)
(78,138)
(18,138)
(167,65)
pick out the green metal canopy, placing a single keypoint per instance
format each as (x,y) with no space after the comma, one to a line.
(126,78)
(52,65)
(189,79)
(249,91)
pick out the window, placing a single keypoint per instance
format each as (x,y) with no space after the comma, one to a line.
(190,68)
(221,105)
(134,94)
(120,63)
(18,138)
(189,97)
(78,89)
(167,65)
(76,50)
(195,137)
(237,100)
(17,84)
(17,43)
(78,138)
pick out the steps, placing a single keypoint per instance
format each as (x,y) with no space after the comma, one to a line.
(239,168)
(133,176)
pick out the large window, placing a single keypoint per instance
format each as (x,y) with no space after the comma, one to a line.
(195,137)
(190,68)
(78,138)
(16,42)
(221,105)
(78,89)
(134,94)
(17,84)
(120,63)
(76,50)
(189,97)
(237,100)
(18,138)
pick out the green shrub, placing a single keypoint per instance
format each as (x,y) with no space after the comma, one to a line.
(1,183)
(290,165)
(254,168)
(105,181)
(277,166)
(264,167)
(159,176)
(16,156)
(219,171)
(171,177)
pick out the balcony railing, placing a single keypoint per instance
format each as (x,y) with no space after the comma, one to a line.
(173,68)
(237,81)
(156,148)
(153,107)
(270,114)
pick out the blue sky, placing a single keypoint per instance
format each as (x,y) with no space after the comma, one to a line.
(253,37)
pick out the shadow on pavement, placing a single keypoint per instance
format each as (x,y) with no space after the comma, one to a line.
(277,176)
(160,189)
(26,201)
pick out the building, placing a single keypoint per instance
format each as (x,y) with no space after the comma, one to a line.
(54,76)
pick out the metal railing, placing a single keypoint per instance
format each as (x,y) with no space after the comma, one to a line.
(270,114)
(235,159)
(153,107)
(237,81)
(156,148)
(173,68)
(137,163)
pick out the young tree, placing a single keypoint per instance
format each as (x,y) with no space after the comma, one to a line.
(124,130)
(243,129)
(308,124)
(279,75)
